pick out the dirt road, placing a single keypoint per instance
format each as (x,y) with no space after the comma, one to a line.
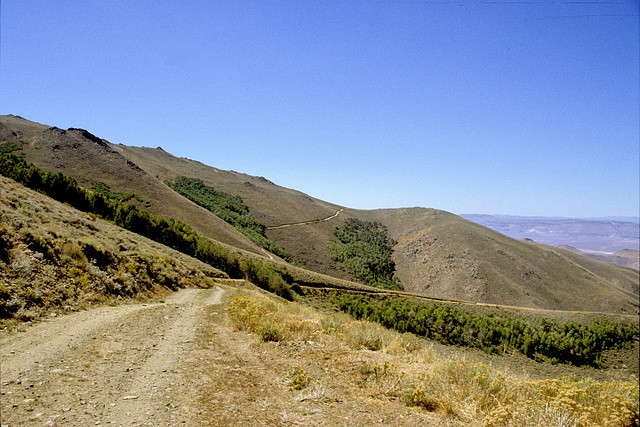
(121,365)
(178,363)
(313,221)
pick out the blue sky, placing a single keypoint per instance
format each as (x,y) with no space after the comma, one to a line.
(509,107)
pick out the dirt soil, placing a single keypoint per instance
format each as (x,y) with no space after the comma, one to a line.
(178,363)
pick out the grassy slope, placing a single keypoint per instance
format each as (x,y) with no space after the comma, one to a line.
(439,254)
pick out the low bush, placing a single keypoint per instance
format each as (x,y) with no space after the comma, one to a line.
(71,253)
(365,335)
(98,255)
(103,189)
(269,331)
(41,244)
(9,147)
(297,378)
(269,277)
(247,313)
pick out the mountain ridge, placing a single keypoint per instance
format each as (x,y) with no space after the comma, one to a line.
(438,254)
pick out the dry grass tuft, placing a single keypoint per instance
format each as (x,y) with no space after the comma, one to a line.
(274,321)
(471,391)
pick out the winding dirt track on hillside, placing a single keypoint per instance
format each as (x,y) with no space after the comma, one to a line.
(313,221)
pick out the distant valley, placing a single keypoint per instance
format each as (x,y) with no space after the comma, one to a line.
(615,240)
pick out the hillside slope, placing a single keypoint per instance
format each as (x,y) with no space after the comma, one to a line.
(442,255)
(438,254)
(469,262)
(77,153)
(273,205)
(54,258)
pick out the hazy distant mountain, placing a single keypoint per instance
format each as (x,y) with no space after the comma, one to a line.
(607,235)
(625,257)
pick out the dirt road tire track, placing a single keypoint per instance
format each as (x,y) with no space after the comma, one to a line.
(113,365)
(181,363)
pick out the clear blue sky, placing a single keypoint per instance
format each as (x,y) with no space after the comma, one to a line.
(510,107)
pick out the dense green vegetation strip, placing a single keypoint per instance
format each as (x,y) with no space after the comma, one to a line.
(365,250)
(9,147)
(169,232)
(230,208)
(540,338)
(122,196)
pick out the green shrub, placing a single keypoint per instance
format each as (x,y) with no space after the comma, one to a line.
(9,147)
(218,257)
(540,338)
(365,249)
(31,297)
(104,190)
(268,277)
(268,331)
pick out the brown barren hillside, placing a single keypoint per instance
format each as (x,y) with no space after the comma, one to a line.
(443,255)
(77,153)
(438,254)
(273,205)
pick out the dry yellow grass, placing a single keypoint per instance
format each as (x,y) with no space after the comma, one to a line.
(395,366)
